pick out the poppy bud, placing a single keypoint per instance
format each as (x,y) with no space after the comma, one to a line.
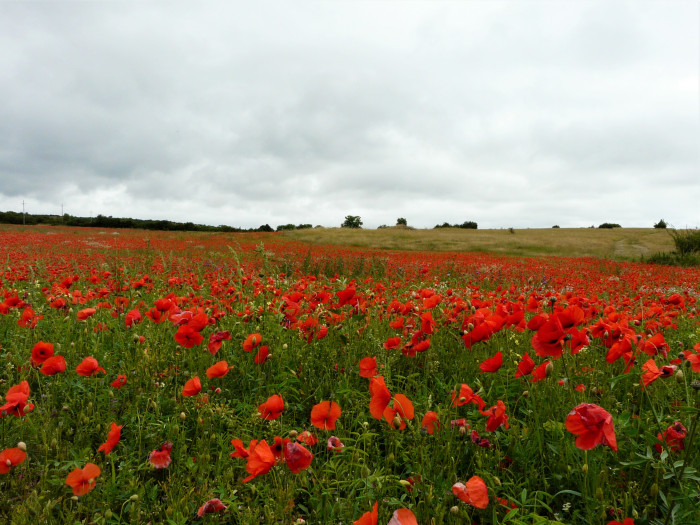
(74,498)
(462,430)
(217,391)
(526,393)
(454,510)
(22,446)
(599,494)
(470,327)
(390,458)
(497,481)
(679,376)
(108,514)
(402,482)
(695,385)
(284,346)
(8,463)
(654,490)
(182,415)
(549,368)
(584,468)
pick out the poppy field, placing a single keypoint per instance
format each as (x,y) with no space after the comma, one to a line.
(165,377)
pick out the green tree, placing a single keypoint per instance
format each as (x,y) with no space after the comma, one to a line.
(401,222)
(352,221)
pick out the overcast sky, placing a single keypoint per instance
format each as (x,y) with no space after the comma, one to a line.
(511,114)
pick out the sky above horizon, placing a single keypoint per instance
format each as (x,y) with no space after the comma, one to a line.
(507,113)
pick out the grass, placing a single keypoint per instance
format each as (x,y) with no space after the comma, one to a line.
(617,244)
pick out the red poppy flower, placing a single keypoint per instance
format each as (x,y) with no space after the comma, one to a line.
(216,340)
(11,457)
(673,436)
(497,416)
(89,367)
(474,492)
(187,337)
(593,425)
(430,422)
(41,352)
(82,480)
(297,457)
(211,506)
(219,369)
(251,342)
(655,345)
(262,355)
(53,365)
(540,372)
(119,382)
(132,317)
(380,397)
(29,319)
(334,444)
(401,411)
(525,366)
(115,434)
(308,438)
(549,338)
(161,458)
(241,451)
(368,518)
(492,364)
(391,343)
(325,414)
(260,461)
(272,408)
(368,367)
(87,312)
(467,395)
(192,387)
(626,521)
(403,517)
(17,397)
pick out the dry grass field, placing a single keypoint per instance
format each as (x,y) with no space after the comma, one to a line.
(618,243)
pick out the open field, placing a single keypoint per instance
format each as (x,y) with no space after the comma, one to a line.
(156,377)
(617,243)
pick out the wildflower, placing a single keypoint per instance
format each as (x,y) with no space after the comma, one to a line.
(474,492)
(86,313)
(325,414)
(216,340)
(17,397)
(89,367)
(192,387)
(55,364)
(492,364)
(211,506)
(401,411)
(119,382)
(187,337)
(308,438)
(115,433)
(593,425)
(272,408)
(334,444)
(430,422)
(368,367)
(11,457)
(297,457)
(525,366)
(82,480)
(161,458)
(368,518)
(403,517)
(219,369)
(380,397)
(497,416)
(467,395)
(260,460)
(262,355)
(40,353)
(241,451)
(673,436)
(252,342)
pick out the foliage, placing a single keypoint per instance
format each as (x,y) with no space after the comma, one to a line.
(469,225)
(352,221)
(555,226)
(609,225)
(686,241)
(401,222)
(661,224)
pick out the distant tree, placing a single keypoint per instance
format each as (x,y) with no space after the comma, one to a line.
(470,225)
(352,221)
(555,226)
(304,226)
(609,225)
(401,222)
(265,228)
(283,227)
(661,224)
(443,225)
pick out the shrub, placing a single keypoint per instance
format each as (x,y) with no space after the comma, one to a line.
(470,225)
(401,222)
(660,224)
(443,225)
(555,226)
(687,241)
(609,225)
